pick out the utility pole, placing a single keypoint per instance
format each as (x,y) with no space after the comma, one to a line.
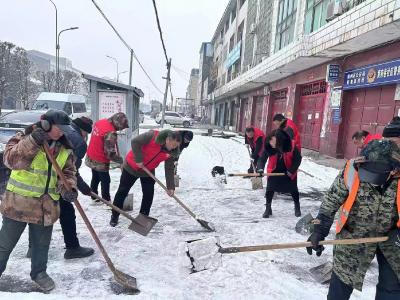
(166,93)
(130,68)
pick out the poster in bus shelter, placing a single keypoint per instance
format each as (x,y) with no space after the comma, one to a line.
(111,103)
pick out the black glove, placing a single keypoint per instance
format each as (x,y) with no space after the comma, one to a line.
(315,238)
(70,196)
(83,187)
(320,232)
(39,136)
(394,237)
(119,160)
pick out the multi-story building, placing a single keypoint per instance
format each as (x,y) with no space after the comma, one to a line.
(333,66)
(205,65)
(44,62)
(192,91)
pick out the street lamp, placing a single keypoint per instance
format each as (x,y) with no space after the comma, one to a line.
(55,7)
(120,74)
(58,56)
(116,61)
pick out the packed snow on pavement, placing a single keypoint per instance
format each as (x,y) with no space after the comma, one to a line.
(158,261)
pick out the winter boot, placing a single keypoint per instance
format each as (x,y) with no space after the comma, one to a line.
(29,253)
(268,210)
(78,252)
(114,220)
(297,211)
(44,282)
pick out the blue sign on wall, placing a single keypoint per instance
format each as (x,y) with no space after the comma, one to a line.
(336,116)
(233,56)
(372,75)
(332,73)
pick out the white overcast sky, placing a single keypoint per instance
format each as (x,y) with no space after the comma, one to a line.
(185,24)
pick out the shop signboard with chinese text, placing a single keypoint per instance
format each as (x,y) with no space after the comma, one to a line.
(372,75)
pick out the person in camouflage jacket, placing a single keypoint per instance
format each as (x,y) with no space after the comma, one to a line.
(373,214)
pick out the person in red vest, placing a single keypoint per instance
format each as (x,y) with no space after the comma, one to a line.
(283,157)
(290,127)
(103,149)
(255,138)
(366,193)
(148,150)
(362,138)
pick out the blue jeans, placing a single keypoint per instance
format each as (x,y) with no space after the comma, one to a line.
(40,237)
(388,287)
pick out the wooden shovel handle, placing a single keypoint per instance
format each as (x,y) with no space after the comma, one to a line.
(165,189)
(116,208)
(302,245)
(255,174)
(80,209)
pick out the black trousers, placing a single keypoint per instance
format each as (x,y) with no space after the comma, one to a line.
(388,287)
(40,237)
(104,179)
(125,184)
(270,194)
(68,224)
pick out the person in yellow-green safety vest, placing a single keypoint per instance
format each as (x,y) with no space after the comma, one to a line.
(33,191)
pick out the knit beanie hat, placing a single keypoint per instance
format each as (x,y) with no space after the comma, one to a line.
(392,129)
(84,123)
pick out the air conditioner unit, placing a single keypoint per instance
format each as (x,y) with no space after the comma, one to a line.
(335,8)
(253,28)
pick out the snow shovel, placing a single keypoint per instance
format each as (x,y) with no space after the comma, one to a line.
(203,223)
(201,260)
(256,182)
(141,224)
(123,279)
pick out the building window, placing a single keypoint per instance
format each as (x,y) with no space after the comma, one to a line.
(285,24)
(233,15)
(227,25)
(240,32)
(231,43)
(315,15)
(241,2)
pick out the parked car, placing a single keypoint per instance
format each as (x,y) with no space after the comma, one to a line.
(10,124)
(74,105)
(141,116)
(174,118)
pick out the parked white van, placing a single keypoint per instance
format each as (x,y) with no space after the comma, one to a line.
(74,105)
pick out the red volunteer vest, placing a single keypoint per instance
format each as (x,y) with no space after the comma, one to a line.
(153,155)
(296,138)
(257,134)
(96,146)
(287,158)
(371,137)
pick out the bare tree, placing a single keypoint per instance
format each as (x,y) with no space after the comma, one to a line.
(5,69)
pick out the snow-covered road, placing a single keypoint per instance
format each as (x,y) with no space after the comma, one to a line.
(235,210)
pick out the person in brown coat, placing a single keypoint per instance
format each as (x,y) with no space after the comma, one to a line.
(33,191)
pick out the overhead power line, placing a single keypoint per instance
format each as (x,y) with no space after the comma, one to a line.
(127,46)
(160,31)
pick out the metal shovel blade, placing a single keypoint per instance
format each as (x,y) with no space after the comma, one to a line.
(256,183)
(143,224)
(322,273)
(206,225)
(304,225)
(126,281)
